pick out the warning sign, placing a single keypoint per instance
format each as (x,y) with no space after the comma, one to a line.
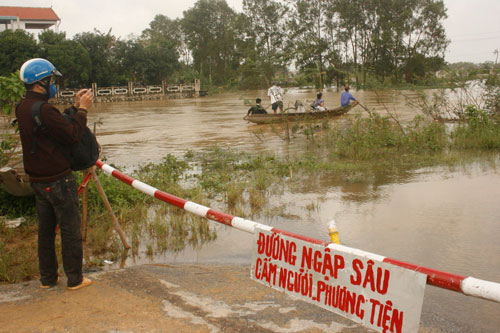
(380,296)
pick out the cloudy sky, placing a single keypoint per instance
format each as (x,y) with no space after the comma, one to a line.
(472,26)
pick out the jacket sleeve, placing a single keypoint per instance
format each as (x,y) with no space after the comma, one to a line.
(62,130)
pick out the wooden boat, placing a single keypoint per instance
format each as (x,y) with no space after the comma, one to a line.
(290,114)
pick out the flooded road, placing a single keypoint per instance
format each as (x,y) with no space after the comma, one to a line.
(140,132)
(439,218)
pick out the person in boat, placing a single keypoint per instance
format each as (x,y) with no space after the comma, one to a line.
(319,103)
(275,94)
(346,97)
(46,161)
(257,108)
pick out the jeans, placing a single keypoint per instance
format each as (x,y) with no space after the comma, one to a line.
(57,203)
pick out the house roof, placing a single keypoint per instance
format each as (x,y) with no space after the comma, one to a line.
(30,13)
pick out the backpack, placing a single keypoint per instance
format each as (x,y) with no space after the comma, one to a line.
(83,154)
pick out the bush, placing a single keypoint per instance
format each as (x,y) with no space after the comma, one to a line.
(11,92)
(480,130)
(13,207)
(377,137)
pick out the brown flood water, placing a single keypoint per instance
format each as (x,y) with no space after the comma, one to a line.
(439,218)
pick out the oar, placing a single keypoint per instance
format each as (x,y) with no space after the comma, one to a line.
(364,107)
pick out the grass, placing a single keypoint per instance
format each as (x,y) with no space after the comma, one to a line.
(18,252)
(369,150)
(481,131)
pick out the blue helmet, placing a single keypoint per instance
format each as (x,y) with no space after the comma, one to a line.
(37,69)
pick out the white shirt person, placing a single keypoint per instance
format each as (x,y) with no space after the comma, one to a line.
(275,94)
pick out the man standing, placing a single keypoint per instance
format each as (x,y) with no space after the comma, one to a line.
(45,157)
(346,97)
(275,94)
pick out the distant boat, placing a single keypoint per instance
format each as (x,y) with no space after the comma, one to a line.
(290,114)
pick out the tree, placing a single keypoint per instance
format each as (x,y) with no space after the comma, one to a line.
(210,33)
(424,34)
(264,45)
(163,42)
(69,57)
(162,61)
(16,47)
(132,60)
(100,48)
(390,36)
(308,40)
(163,29)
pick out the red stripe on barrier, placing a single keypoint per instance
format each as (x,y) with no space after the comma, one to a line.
(124,178)
(224,218)
(171,199)
(304,238)
(434,277)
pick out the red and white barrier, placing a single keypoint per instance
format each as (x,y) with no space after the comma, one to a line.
(467,285)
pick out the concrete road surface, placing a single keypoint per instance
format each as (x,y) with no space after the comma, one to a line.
(164,298)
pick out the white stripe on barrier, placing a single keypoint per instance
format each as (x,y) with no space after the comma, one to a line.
(196,208)
(247,225)
(481,288)
(468,286)
(144,188)
(357,252)
(108,169)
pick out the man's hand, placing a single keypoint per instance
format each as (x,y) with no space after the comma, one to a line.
(78,96)
(83,99)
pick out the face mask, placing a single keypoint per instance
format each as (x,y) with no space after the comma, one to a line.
(52,91)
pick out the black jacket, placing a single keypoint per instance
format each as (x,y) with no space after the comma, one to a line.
(50,161)
(256,109)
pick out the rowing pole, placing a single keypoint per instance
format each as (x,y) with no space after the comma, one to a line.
(364,107)
(467,285)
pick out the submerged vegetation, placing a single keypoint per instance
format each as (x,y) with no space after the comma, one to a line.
(254,51)
(371,148)
(367,149)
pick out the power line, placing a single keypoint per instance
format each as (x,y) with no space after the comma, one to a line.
(475,34)
(475,39)
(470,53)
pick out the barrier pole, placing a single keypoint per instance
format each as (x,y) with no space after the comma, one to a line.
(467,285)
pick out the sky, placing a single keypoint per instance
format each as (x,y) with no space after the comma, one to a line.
(473,26)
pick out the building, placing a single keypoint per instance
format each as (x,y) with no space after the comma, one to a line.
(27,18)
